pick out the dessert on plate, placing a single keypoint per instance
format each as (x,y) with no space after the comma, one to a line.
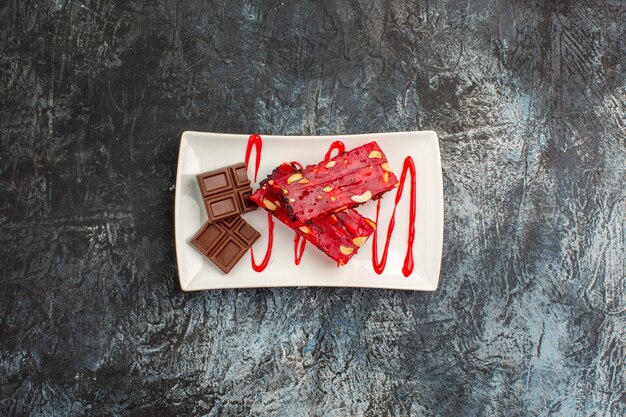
(318,202)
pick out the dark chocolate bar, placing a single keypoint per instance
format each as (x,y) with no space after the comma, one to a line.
(226,192)
(225,242)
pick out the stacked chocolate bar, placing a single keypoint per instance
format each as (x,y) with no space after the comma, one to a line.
(225,237)
(318,201)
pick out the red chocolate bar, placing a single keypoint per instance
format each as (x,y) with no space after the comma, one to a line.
(347,180)
(339,235)
(270,198)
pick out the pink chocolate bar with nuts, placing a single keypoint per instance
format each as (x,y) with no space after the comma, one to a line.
(338,235)
(347,180)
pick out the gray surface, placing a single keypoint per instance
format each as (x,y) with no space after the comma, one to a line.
(527,98)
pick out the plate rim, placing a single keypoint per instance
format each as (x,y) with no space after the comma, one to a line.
(182,149)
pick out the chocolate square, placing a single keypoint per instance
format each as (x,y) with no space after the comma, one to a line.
(240,175)
(228,254)
(215,182)
(226,192)
(225,243)
(244,200)
(223,206)
(245,232)
(208,237)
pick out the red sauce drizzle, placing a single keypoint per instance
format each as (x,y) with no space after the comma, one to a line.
(298,251)
(335,146)
(254,141)
(407,268)
(268,252)
(298,164)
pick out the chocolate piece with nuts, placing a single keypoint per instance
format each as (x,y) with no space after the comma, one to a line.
(338,235)
(347,180)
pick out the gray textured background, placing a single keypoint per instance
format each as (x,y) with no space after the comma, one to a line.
(528,100)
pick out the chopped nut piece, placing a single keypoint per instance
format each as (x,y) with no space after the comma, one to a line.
(328,188)
(346,250)
(362,198)
(295,177)
(331,164)
(303,181)
(305,229)
(385,166)
(375,154)
(269,205)
(386,177)
(370,222)
(359,241)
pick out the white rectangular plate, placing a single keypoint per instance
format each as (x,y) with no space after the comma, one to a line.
(200,152)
